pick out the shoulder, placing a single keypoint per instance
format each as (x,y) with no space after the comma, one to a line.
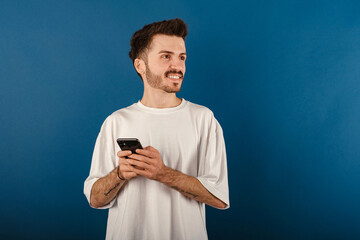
(203,116)
(118,115)
(205,119)
(200,110)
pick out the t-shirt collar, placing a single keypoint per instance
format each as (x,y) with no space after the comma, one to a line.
(161,110)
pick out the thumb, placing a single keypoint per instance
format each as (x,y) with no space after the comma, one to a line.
(149,148)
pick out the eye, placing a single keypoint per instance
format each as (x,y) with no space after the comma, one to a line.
(182,58)
(166,56)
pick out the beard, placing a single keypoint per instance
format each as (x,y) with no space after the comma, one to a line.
(156,81)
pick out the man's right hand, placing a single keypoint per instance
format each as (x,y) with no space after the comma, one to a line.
(124,166)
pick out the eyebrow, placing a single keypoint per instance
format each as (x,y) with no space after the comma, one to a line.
(169,52)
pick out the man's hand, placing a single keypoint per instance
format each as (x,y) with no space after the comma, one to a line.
(125,170)
(106,188)
(148,163)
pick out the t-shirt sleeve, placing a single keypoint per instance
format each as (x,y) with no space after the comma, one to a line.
(103,160)
(212,171)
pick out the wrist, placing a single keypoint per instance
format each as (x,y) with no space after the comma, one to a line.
(119,175)
(166,175)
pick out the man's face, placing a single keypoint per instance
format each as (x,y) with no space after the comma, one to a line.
(165,65)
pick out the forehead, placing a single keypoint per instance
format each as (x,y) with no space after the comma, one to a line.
(168,43)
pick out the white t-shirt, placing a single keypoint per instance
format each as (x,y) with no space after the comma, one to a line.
(189,140)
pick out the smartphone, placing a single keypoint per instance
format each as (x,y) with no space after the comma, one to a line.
(129,144)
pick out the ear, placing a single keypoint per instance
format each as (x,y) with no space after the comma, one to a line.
(139,65)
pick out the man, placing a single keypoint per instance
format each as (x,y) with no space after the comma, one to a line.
(160,191)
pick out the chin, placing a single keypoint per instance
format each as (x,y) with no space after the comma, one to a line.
(172,89)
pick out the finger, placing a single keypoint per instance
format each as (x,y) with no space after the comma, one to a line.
(123,153)
(139,171)
(125,168)
(123,161)
(138,164)
(124,165)
(146,152)
(140,158)
(130,175)
(152,149)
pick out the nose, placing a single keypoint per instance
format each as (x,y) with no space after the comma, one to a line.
(177,64)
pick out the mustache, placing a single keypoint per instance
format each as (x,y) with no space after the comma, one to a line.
(173,71)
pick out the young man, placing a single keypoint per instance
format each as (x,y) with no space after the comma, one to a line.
(160,191)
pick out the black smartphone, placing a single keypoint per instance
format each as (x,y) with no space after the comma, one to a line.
(129,144)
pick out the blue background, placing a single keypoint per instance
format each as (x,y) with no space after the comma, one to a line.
(282,78)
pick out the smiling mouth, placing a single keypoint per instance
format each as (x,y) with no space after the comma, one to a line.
(174,75)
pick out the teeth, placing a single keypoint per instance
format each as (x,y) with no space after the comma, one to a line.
(174,77)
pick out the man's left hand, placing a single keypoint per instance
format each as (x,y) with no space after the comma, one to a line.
(148,163)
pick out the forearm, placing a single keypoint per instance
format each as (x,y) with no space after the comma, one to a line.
(148,163)
(190,187)
(105,189)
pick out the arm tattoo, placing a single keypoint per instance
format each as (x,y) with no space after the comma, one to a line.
(106,194)
(182,191)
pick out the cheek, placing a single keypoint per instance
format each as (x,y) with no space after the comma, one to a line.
(157,70)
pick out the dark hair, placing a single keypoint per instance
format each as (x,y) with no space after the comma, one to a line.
(142,38)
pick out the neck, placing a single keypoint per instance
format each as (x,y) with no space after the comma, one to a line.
(160,99)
